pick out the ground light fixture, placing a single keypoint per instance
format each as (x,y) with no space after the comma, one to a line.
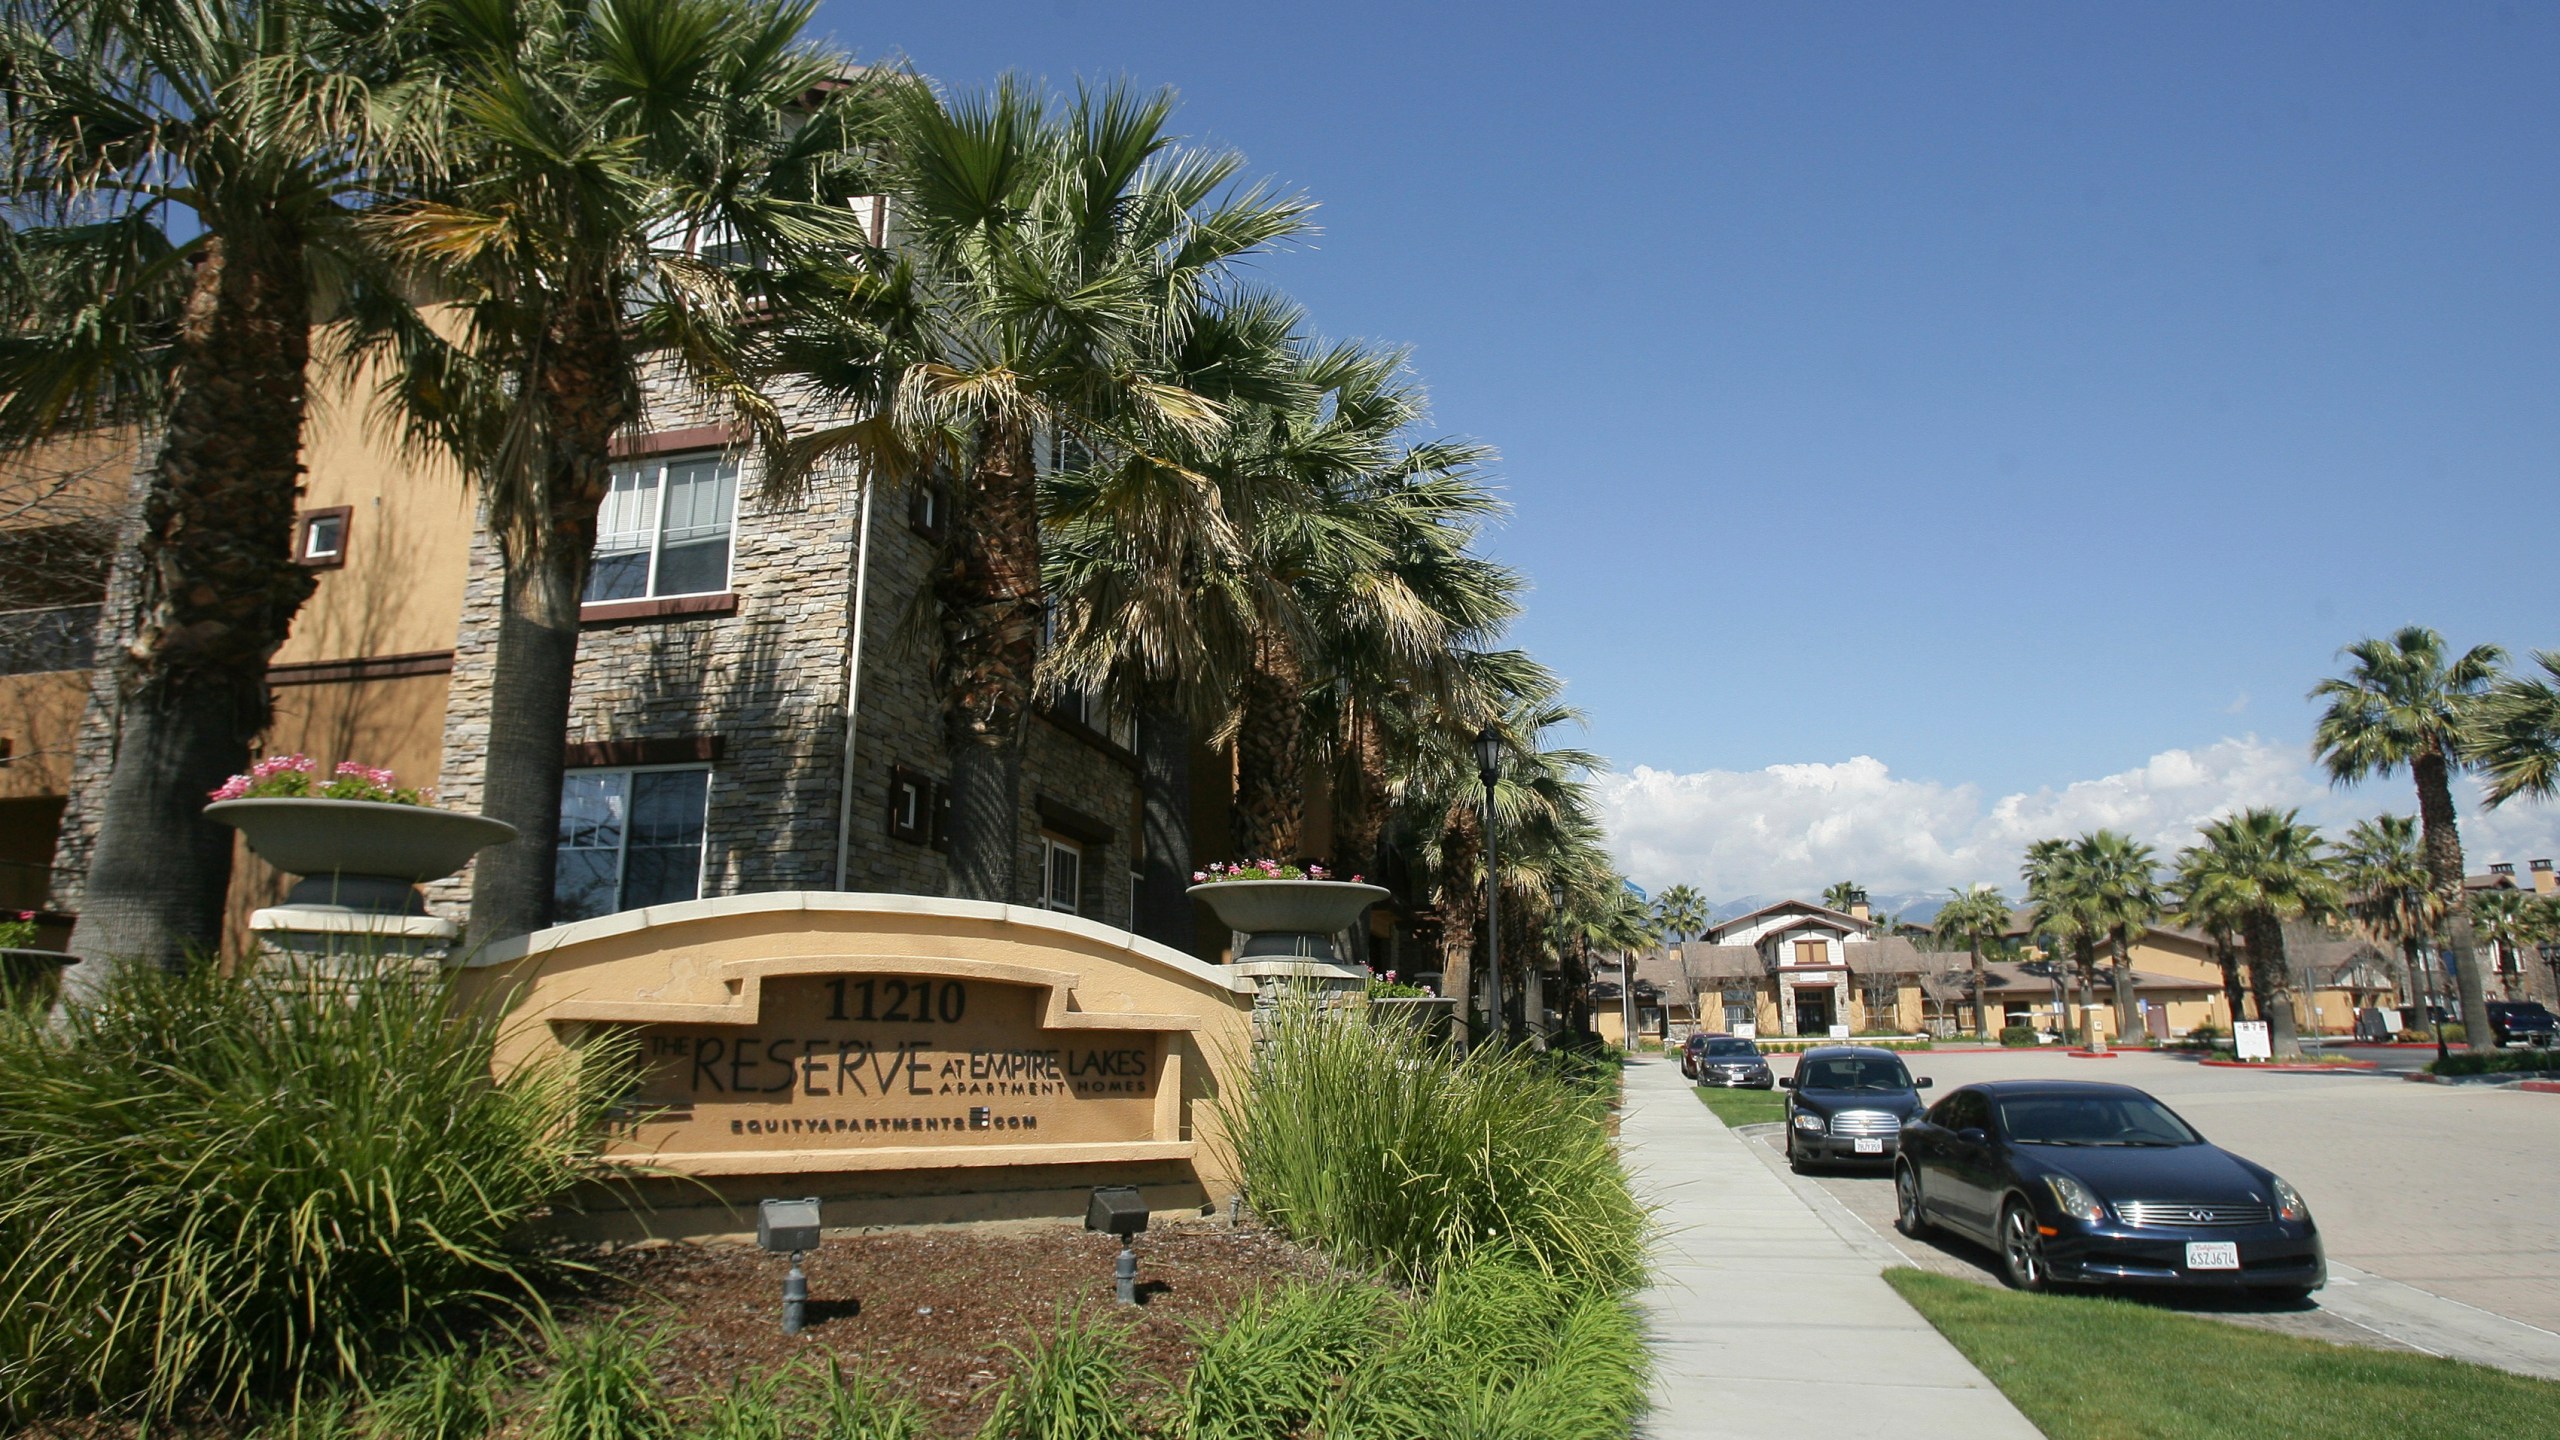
(1488,748)
(1118,1210)
(790,1227)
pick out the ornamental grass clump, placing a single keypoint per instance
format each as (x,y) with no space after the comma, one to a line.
(1383,1148)
(220,1193)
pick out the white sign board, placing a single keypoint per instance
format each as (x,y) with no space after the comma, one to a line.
(2250,1040)
(1745,1031)
(1839,1032)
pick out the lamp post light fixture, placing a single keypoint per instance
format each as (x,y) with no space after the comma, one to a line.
(1119,1210)
(1488,748)
(790,1227)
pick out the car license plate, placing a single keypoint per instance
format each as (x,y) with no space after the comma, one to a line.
(2218,1255)
(1870,1147)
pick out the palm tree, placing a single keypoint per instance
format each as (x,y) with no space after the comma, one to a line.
(1152,585)
(186,179)
(2264,867)
(1051,257)
(2388,895)
(1682,911)
(1974,918)
(1840,895)
(2511,921)
(2210,908)
(2124,897)
(628,181)
(2070,911)
(2404,703)
(2515,737)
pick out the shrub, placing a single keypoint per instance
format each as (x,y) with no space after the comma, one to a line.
(604,1386)
(445,1394)
(1275,1363)
(859,1407)
(1072,1385)
(213,1191)
(2504,1062)
(1393,1154)
(2018,1035)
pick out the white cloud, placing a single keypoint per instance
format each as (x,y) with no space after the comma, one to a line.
(1792,829)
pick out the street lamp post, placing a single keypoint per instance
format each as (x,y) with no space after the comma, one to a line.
(1488,747)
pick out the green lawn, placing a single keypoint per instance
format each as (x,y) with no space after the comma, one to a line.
(1744,1107)
(2091,1369)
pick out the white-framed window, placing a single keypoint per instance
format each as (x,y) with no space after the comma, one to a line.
(629,838)
(320,537)
(1061,875)
(665,529)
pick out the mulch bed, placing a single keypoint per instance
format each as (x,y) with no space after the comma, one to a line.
(931,1310)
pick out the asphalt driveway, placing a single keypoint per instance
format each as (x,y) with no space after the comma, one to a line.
(2448,1189)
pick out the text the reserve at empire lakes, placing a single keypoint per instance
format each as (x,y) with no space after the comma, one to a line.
(874,1059)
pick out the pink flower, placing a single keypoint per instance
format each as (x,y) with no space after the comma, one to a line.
(1199,877)
(1356,880)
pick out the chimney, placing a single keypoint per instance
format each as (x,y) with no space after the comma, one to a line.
(1858,906)
(2544,882)
(2506,868)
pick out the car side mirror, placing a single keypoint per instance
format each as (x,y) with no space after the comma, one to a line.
(1786,1082)
(1973,1135)
(1923,1083)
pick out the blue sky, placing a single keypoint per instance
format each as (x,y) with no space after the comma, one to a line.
(2009,396)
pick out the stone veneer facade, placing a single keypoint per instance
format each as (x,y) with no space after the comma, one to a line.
(768,680)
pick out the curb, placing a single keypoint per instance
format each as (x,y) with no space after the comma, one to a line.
(2091,1054)
(2541,1087)
(2352,1067)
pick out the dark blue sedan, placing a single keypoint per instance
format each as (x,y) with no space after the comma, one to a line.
(2078,1183)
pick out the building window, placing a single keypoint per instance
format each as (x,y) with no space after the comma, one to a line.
(629,838)
(919,808)
(928,506)
(1061,874)
(1810,952)
(665,529)
(320,537)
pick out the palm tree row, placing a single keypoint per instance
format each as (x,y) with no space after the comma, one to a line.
(1203,508)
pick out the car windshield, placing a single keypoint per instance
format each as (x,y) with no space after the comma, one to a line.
(2092,1120)
(1884,1073)
(1732,1049)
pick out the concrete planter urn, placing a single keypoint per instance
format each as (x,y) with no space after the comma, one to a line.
(1289,919)
(360,863)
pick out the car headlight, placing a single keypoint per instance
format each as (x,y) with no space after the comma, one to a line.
(2289,1203)
(2074,1198)
(1811,1124)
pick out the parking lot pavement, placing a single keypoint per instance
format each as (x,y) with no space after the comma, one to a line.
(2425,1194)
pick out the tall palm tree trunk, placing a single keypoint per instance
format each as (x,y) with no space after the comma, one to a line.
(536,664)
(990,609)
(1165,907)
(2444,875)
(2085,956)
(1461,908)
(1981,1023)
(1359,815)
(214,593)
(2409,971)
(2227,957)
(2128,1016)
(2274,982)
(1271,789)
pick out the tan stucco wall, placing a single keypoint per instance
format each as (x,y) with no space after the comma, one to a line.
(707,963)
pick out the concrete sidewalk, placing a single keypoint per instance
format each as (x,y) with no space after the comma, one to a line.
(1765,1318)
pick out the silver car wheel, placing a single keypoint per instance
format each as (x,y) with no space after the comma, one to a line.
(2021,1250)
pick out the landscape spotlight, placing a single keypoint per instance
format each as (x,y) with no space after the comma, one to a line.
(1118,1210)
(790,1227)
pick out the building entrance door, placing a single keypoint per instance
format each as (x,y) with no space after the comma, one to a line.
(1814,1010)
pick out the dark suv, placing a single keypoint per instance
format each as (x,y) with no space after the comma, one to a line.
(1725,1060)
(1849,1102)
(2521,1022)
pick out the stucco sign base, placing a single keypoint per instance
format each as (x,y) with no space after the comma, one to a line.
(923,1054)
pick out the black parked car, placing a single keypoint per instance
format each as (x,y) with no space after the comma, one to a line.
(2521,1022)
(1848,1102)
(2077,1182)
(1725,1060)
